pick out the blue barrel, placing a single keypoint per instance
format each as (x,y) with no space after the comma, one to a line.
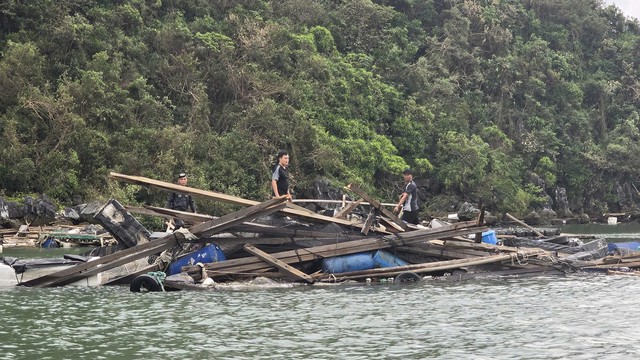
(489,237)
(384,259)
(360,261)
(208,254)
(346,263)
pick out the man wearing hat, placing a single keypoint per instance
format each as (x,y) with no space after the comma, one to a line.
(409,199)
(180,201)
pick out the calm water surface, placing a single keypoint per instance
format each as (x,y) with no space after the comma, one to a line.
(574,317)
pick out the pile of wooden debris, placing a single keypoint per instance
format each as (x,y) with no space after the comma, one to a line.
(280,240)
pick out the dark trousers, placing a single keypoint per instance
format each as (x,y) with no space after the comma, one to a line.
(410,217)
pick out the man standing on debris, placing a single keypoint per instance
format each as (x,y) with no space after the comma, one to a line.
(179,201)
(280,177)
(409,199)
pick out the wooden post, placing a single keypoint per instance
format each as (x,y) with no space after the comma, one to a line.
(376,204)
(478,238)
(523,224)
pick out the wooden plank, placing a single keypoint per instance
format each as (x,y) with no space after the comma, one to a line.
(291,210)
(284,267)
(524,224)
(131,254)
(376,204)
(391,223)
(342,214)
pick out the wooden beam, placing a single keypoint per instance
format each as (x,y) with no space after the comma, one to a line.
(291,210)
(284,267)
(376,204)
(524,224)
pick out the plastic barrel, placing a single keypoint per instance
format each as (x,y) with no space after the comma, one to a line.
(489,237)
(208,254)
(384,259)
(360,261)
(346,263)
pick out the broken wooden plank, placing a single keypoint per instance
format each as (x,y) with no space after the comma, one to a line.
(376,204)
(284,267)
(128,255)
(290,210)
(369,222)
(342,214)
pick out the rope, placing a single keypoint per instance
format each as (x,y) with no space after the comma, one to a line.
(203,272)
(159,276)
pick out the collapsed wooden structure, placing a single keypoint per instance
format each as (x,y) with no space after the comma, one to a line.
(298,251)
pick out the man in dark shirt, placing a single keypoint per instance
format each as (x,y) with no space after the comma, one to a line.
(179,201)
(409,199)
(280,176)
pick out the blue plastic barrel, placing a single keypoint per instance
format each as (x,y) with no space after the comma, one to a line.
(208,254)
(346,263)
(489,237)
(360,261)
(384,259)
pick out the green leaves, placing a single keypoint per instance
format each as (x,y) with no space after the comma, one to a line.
(473,95)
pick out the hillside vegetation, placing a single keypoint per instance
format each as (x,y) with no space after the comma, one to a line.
(499,102)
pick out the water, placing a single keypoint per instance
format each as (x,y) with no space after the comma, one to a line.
(575,317)
(613,233)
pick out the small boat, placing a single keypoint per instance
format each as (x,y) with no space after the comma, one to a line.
(14,271)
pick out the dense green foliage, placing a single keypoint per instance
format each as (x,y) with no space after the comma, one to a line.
(492,101)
